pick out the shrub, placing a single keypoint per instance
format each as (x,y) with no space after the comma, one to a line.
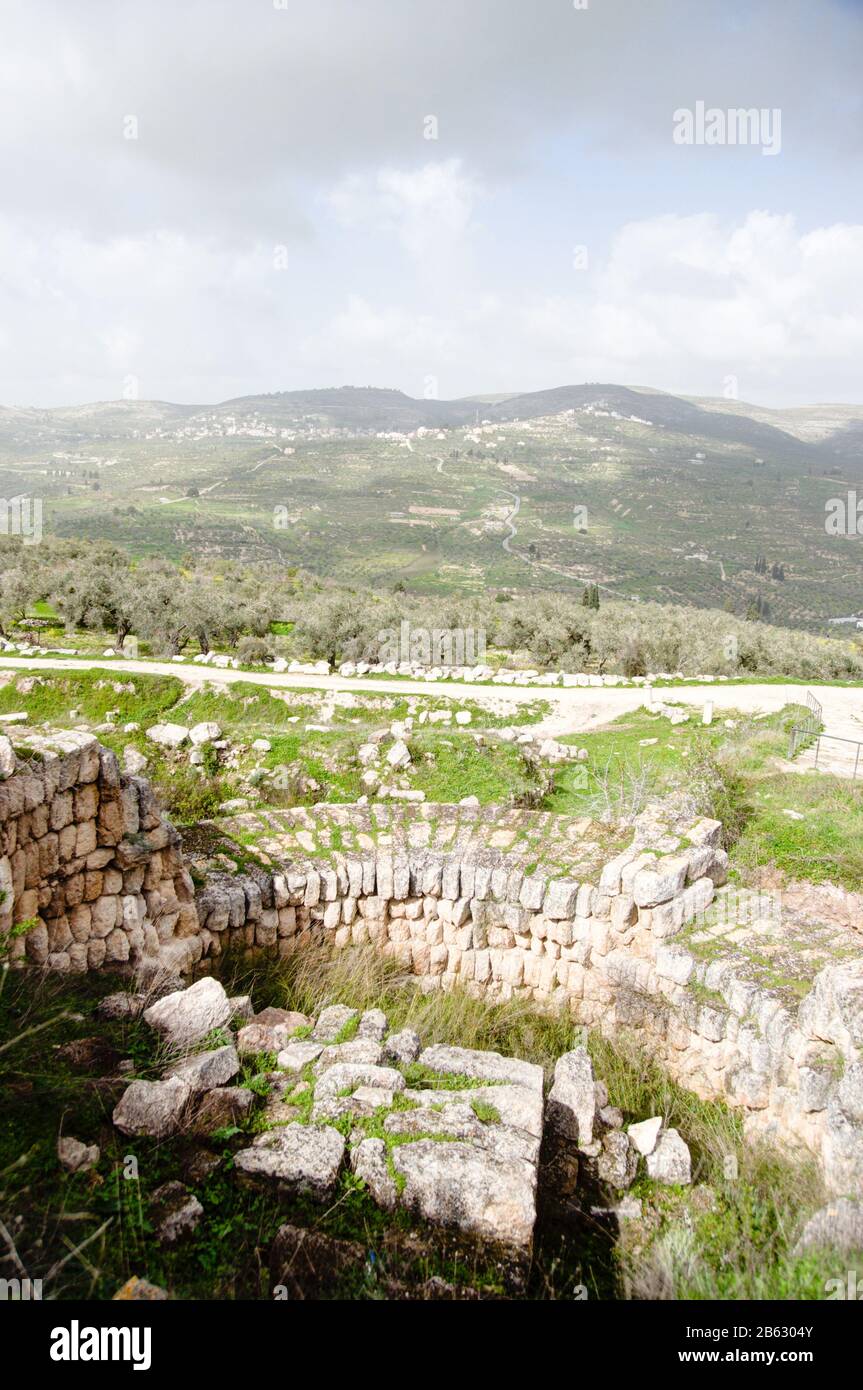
(187,797)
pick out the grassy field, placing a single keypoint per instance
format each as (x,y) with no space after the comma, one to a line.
(308,760)
(737,773)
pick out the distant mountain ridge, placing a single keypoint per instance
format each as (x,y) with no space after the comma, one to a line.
(372,409)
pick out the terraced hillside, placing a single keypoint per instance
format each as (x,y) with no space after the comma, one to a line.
(644,494)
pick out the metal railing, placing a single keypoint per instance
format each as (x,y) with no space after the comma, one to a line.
(811,726)
(819,739)
(814,707)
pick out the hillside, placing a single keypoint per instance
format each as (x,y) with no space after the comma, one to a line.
(649,495)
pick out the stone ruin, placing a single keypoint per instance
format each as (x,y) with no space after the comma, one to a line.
(611,923)
(456,1137)
(91,873)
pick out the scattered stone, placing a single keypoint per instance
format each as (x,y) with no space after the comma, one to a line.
(286,1018)
(204,733)
(299,1159)
(332,1021)
(222,1109)
(611,1116)
(134,762)
(403,1048)
(373,1024)
(168,735)
(200,1163)
(176,1212)
(645,1133)
(617,1164)
(298,1055)
(374,1096)
(8,761)
(154,1108)
(399,755)
(137,1290)
(838,1226)
(458,1184)
(187,1016)
(347,1076)
(207,1070)
(357,1052)
(261,1037)
(76,1157)
(481,1066)
(571,1106)
(369,1162)
(670,1162)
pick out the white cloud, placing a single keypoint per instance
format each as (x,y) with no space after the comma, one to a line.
(304,126)
(679,302)
(760,299)
(428,209)
(180,313)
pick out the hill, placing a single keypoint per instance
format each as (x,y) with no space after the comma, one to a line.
(649,495)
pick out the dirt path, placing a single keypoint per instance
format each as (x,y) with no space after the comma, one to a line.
(571,710)
(510,522)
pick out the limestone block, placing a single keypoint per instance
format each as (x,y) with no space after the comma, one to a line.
(86,802)
(116,946)
(664,881)
(560,899)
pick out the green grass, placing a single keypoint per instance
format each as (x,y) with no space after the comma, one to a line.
(731,1235)
(735,775)
(621,773)
(826,846)
(451,766)
(93,693)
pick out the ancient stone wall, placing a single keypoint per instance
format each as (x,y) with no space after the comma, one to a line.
(613,946)
(91,874)
(592,918)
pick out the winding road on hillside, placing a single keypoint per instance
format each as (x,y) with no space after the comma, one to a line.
(510,522)
(571,710)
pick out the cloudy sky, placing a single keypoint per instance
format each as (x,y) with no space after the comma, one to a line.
(216,197)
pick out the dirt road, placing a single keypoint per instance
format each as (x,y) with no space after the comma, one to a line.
(572,710)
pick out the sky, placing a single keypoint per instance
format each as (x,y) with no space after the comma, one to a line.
(209,198)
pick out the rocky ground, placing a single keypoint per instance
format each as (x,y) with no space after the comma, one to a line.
(211,1149)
